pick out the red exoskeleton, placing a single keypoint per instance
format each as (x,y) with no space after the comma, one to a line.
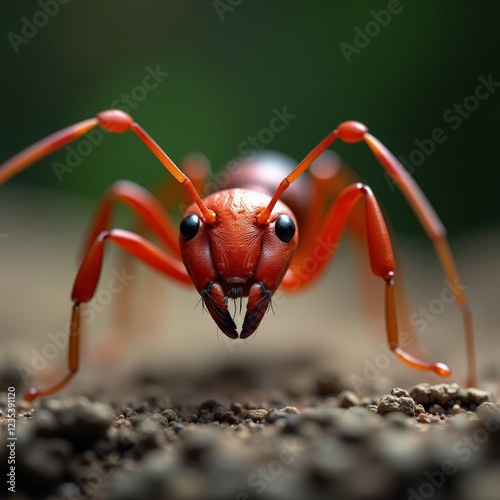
(243,241)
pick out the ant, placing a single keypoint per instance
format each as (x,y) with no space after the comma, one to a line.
(243,241)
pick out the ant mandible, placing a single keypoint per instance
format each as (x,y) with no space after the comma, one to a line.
(243,241)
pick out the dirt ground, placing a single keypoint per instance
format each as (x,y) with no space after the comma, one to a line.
(313,406)
(248,431)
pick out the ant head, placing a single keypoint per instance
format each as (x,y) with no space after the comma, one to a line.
(236,255)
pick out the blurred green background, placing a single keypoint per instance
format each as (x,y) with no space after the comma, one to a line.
(231,62)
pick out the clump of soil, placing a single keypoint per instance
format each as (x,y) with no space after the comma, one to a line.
(231,437)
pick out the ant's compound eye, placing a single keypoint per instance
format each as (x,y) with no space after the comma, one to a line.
(285,228)
(190,226)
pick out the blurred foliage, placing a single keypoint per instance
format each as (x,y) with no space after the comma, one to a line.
(225,78)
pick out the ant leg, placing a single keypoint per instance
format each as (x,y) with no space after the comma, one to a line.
(330,176)
(144,205)
(431,224)
(352,132)
(152,218)
(152,211)
(86,283)
(381,262)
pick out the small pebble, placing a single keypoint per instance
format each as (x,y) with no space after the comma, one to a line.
(434,419)
(488,409)
(290,409)
(256,415)
(129,412)
(177,427)
(422,417)
(159,419)
(348,399)
(419,409)
(236,407)
(230,417)
(427,394)
(169,415)
(473,395)
(448,394)
(436,409)
(218,414)
(397,400)
(274,415)
(121,421)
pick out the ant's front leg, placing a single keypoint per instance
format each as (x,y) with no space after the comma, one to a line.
(86,283)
